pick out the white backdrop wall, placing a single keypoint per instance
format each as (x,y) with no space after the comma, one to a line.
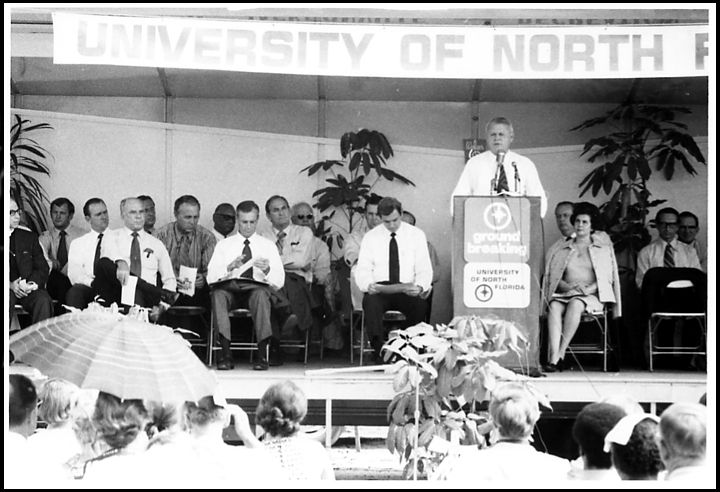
(114,158)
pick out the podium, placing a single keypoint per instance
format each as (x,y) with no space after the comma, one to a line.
(497,256)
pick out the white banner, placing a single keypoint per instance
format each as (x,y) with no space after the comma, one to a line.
(415,51)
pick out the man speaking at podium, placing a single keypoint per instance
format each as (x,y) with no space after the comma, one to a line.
(500,171)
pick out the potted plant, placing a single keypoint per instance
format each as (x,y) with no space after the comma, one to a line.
(442,376)
(640,135)
(27,162)
(364,155)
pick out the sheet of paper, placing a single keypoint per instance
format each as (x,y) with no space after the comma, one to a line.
(128,291)
(187,274)
(239,270)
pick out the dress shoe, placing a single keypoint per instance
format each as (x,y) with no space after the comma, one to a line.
(170,297)
(550,367)
(261,365)
(225,365)
(561,364)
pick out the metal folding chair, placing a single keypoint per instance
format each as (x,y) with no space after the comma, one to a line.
(598,319)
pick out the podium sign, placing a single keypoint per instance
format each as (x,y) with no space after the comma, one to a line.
(497,254)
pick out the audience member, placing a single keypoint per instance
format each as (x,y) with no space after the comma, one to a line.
(57,443)
(22,418)
(280,412)
(409,217)
(56,242)
(628,404)
(224,221)
(120,424)
(563,214)
(394,271)
(294,243)
(665,251)
(351,247)
(580,276)
(514,411)
(191,245)
(131,251)
(267,269)
(499,170)
(589,430)
(149,209)
(683,435)
(84,253)
(28,271)
(688,228)
(633,446)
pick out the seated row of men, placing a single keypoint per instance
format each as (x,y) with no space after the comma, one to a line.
(286,260)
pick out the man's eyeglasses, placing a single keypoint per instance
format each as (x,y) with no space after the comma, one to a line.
(224,216)
(667,224)
(15,212)
(304,217)
(688,228)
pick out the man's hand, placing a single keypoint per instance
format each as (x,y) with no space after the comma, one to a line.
(236,263)
(373,288)
(263,264)
(123,272)
(200,281)
(413,290)
(55,264)
(17,289)
(241,424)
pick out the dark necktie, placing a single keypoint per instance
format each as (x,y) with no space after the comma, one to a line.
(502,184)
(135,260)
(280,242)
(247,256)
(668,258)
(184,252)
(394,261)
(98,248)
(62,253)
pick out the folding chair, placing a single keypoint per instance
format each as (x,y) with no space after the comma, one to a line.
(252,345)
(389,316)
(598,319)
(192,312)
(672,294)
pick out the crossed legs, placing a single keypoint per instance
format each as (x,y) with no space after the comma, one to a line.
(563,322)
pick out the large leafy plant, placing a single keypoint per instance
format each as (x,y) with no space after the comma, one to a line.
(27,163)
(442,376)
(352,179)
(641,135)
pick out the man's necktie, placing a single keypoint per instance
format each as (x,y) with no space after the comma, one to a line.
(98,249)
(247,256)
(280,241)
(394,257)
(135,260)
(502,184)
(62,252)
(184,250)
(668,258)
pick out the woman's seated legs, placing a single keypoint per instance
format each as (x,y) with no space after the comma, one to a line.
(555,319)
(571,322)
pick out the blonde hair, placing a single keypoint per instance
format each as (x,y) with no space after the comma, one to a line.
(281,409)
(683,431)
(58,398)
(514,410)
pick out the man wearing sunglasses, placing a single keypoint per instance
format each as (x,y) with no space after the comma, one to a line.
(666,251)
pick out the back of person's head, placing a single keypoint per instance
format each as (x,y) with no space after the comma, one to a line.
(281,409)
(683,433)
(627,403)
(57,401)
(589,430)
(164,416)
(639,459)
(117,421)
(22,400)
(388,205)
(202,413)
(514,411)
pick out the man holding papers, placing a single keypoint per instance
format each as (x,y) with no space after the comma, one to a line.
(243,271)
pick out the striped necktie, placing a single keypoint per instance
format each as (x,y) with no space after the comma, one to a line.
(668,258)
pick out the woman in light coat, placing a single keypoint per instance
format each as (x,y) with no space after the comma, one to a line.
(580,276)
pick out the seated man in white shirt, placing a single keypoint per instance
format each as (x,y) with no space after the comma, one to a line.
(394,271)
(229,254)
(84,252)
(132,251)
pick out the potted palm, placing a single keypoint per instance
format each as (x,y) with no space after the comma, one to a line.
(27,163)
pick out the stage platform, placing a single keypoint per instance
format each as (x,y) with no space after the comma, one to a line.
(340,394)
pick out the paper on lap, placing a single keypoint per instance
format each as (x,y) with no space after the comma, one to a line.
(128,291)
(187,274)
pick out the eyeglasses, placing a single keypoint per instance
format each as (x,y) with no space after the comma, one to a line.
(305,217)
(224,216)
(667,224)
(15,212)
(688,228)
